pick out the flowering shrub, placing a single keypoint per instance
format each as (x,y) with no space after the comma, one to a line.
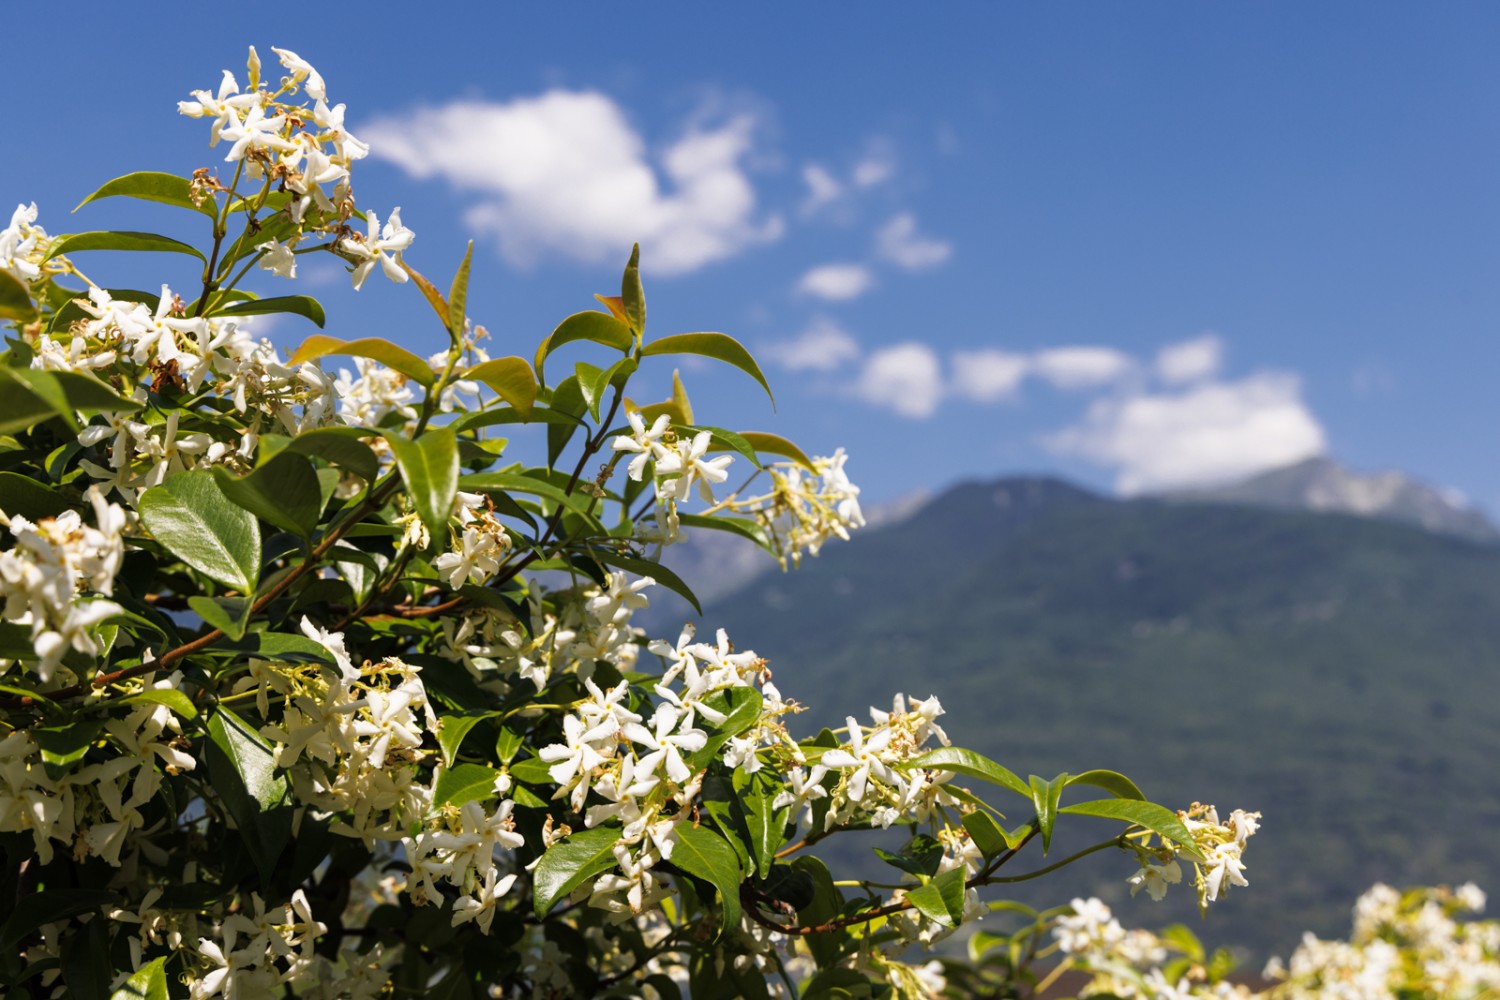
(307,688)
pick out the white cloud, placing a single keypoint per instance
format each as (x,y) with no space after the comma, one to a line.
(1081,367)
(837,282)
(988,375)
(1191,360)
(906,378)
(1210,433)
(877,168)
(822,347)
(899,242)
(822,188)
(565,174)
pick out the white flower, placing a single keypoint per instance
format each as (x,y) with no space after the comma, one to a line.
(278,259)
(683,465)
(224,108)
(303,73)
(644,443)
(1155,879)
(374,248)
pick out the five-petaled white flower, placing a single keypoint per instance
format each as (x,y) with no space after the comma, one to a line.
(374,248)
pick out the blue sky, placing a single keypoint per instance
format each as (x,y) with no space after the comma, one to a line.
(1141,246)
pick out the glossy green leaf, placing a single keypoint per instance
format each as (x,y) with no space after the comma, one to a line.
(1045,796)
(243,771)
(741,709)
(63,746)
(566,398)
(942,899)
(921,856)
(569,862)
(765,823)
(340,446)
(742,526)
(454,729)
(229,615)
(458,294)
(119,241)
(429,467)
(988,836)
(30,396)
(152,185)
(512,380)
(632,295)
(970,765)
(774,444)
(15,299)
(429,292)
(176,700)
(393,357)
(519,482)
(464,783)
(1112,782)
(1158,819)
(592,383)
(30,498)
(725,440)
(193,519)
(702,852)
(719,346)
(601,328)
(280,647)
(297,305)
(149,982)
(283,491)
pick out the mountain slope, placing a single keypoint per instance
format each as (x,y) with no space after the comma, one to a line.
(1339,674)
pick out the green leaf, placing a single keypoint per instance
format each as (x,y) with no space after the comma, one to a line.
(190,515)
(429,467)
(592,382)
(702,852)
(774,444)
(29,396)
(1112,782)
(176,700)
(429,292)
(229,615)
(942,899)
(34,909)
(243,772)
(151,185)
(827,903)
(148,983)
(741,709)
(921,856)
(64,746)
(15,299)
(279,647)
(632,295)
(569,862)
(29,497)
(452,729)
(723,440)
(987,835)
(765,823)
(119,241)
(299,305)
(971,765)
(86,976)
(340,446)
(601,328)
(464,783)
(520,482)
(719,346)
(742,526)
(283,491)
(566,398)
(1044,796)
(1158,819)
(458,295)
(512,380)
(397,358)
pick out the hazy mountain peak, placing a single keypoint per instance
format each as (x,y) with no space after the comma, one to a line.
(1322,484)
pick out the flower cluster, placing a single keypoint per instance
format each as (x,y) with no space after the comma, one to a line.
(23,245)
(52,562)
(255,953)
(805,508)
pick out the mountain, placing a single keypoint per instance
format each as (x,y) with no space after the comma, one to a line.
(1324,485)
(1338,673)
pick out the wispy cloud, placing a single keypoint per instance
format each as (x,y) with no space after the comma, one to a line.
(906,378)
(1081,367)
(565,174)
(899,242)
(822,188)
(822,347)
(837,282)
(1212,432)
(1190,360)
(989,375)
